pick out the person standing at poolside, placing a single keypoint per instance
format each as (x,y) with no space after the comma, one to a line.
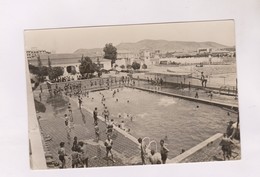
(203,80)
(142,147)
(80,102)
(95,114)
(226,143)
(75,158)
(62,154)
(84,153)
(97,133)
(106,114)
(164,152)
(108,143)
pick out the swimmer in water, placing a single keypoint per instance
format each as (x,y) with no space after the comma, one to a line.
(127,101)
(92,99)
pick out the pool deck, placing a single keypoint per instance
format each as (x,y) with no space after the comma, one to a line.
(53,132)
(215,103)
(126,149)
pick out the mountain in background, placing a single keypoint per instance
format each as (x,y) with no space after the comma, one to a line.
(162,45)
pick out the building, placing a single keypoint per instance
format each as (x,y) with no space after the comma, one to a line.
(204,50)
(145,56)
(125,57)
(30,54)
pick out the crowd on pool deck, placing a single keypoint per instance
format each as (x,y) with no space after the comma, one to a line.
(79,155)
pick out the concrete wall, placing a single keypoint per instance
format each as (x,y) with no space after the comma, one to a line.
(203,152)
(37,155)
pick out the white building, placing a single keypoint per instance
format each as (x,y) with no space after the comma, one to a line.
(145,56)
(35,52)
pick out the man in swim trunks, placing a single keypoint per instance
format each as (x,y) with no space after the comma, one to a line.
(62,154)
(108,144)
(106,114)
(203,80)
(226,146)
(164,152)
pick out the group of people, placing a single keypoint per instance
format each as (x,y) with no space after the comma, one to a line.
(155,81)
(79,156)
(227,142)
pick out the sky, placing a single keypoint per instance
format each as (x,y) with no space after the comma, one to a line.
(68,40)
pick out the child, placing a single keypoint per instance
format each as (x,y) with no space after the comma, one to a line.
(75,159)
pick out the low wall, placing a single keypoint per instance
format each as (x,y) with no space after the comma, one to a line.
(205,151)
(36,151)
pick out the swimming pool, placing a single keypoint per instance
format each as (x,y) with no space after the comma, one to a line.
(182,123)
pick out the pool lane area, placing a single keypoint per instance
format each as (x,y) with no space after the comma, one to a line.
(181,123)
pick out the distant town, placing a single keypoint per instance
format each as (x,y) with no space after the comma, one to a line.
(145,56)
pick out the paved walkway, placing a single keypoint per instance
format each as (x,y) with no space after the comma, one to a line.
(52,125)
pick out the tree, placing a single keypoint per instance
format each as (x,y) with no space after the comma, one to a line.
(40,75)
(49,68)
(122,66)
(86,66)
(110,53)
(144,66)
(136,65)
(49,62)
(56,72)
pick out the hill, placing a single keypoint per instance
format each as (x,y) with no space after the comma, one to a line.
(165,46)
(162,45)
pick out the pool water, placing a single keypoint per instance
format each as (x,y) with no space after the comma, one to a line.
(179,122)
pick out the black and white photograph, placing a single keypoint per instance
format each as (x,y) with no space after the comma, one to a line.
(139,94)
(129,88)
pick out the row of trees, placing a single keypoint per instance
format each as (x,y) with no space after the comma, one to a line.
(134,65)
